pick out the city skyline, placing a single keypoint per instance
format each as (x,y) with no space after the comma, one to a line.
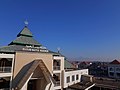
(79,28)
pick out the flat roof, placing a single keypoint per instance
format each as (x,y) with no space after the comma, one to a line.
(107,82)
(81,85)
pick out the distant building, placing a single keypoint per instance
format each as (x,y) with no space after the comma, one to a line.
(84,65)
(98,69)
(27,65)
(114,69)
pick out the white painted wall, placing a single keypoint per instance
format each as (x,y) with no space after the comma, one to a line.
(6,55)
(5,74)
(59,71)
(70,74)
(2,55)
(114,70)
(64,74)
(62,61)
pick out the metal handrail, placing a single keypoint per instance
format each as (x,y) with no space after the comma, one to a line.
(56,67)
(5,69)
(57,83)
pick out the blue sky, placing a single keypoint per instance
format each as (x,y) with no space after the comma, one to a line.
(87,28)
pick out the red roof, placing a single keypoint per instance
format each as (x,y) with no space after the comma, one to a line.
(115,62)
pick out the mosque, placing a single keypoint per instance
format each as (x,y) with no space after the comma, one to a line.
(25,64)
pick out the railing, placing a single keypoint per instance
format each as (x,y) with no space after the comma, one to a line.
(5,69)
(57,83)
(56,67)
(5,89)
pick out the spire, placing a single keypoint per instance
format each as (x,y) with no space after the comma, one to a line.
(26,23)
(25,31)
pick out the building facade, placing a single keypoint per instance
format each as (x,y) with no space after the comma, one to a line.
(27,65)
(114,69)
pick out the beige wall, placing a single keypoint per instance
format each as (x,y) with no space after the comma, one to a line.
(23,58)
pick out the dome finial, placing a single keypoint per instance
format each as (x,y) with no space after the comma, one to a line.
(26,22)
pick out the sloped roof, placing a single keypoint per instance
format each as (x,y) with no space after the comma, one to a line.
(25,37)
(11,48)
(25,32)
(115,62)
(25,41)
(27,70)
(26,75)
(68,65)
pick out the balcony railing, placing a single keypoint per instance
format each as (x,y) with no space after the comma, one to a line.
(5,69)
(57,83)
(5,89)
(56,67)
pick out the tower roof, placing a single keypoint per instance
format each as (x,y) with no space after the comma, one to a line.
(25,37)
(25,42)
(25,32)
(68,65)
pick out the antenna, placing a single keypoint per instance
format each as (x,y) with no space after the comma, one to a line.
(58,49)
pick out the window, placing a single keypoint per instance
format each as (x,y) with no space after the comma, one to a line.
(56,77)
(111,69)
(111,74)
(77,77)
(117,69)
(5,64)
(68,79)
(73,78)
(56,64)
(118,74)
(4,83)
